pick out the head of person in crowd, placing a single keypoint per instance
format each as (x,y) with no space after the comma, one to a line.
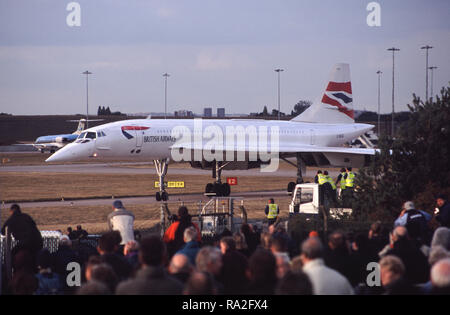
(336,241)
(262,269)
(279,244)
(375,229)
(15,209)
(283,263)
(227,244)
(313,234)
(209,259)
(91,263)
(200,283)
(437,253)
(441,237)
(152,251)
(391,269)
(440,276)
(183,212)
(296,264)
(94,288)
(105,274)
(294,283)
(44,260)
(190,234)
(266,240)
(117,205)
(239,239)
(441,200)
(312,249)
(179,264)
(109,242)
(64,240)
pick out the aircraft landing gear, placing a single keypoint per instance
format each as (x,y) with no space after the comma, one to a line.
(300,166)
(218,188)
(161,170)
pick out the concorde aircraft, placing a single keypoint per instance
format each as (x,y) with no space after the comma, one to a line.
(317,137)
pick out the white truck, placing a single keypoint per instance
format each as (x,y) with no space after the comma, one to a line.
(307,200)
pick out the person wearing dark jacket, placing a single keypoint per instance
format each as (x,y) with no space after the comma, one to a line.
(393,277)
(24,230)
(415,262)
(443,216)
(174,235)
(152,278)
(107,246)
(191,246)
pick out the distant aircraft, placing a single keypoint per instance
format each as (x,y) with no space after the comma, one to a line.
(52,143)
(315,138)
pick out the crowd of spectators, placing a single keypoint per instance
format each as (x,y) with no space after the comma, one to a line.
(248,262)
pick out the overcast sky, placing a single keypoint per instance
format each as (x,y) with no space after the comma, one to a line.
(218,53)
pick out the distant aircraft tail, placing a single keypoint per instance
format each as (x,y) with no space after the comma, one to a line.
(336,105)
(82,124)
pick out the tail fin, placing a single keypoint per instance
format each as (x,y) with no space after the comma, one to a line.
(81,126)
(336,105)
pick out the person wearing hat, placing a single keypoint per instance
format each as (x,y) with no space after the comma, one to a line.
(414,220)
(443,213)
(122,220)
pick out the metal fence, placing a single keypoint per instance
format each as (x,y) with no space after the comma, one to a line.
(50,241)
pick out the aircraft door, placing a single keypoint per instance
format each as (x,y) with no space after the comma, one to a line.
(139,137)
(102,141)
(313,136)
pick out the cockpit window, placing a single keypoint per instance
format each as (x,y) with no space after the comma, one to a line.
(81,136)
(91,135)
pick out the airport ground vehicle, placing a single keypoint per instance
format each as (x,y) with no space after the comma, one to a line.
(311,199)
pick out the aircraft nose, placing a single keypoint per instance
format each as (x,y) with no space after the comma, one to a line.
(71,152)
(61,155)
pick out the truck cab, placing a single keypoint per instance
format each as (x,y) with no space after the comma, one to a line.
(308,198)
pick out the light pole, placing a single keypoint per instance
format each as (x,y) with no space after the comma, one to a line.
(426,71)
(278,71)
(165,75)
(87,73)
(393,49)
(379,85)
(432,68)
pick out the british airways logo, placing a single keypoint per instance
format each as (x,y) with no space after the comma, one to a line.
(339,95)
(132,128)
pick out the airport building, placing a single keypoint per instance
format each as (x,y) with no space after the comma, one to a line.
(221,112)
(207,112)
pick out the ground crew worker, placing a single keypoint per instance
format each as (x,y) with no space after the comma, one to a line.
(341,179)
(349,178)
(320,178)
(330,187)
(329,180)
(272,210)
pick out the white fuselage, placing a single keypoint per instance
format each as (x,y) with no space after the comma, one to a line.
(152,139)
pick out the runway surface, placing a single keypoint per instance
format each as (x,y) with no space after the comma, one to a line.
(174,198)
(145,168)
